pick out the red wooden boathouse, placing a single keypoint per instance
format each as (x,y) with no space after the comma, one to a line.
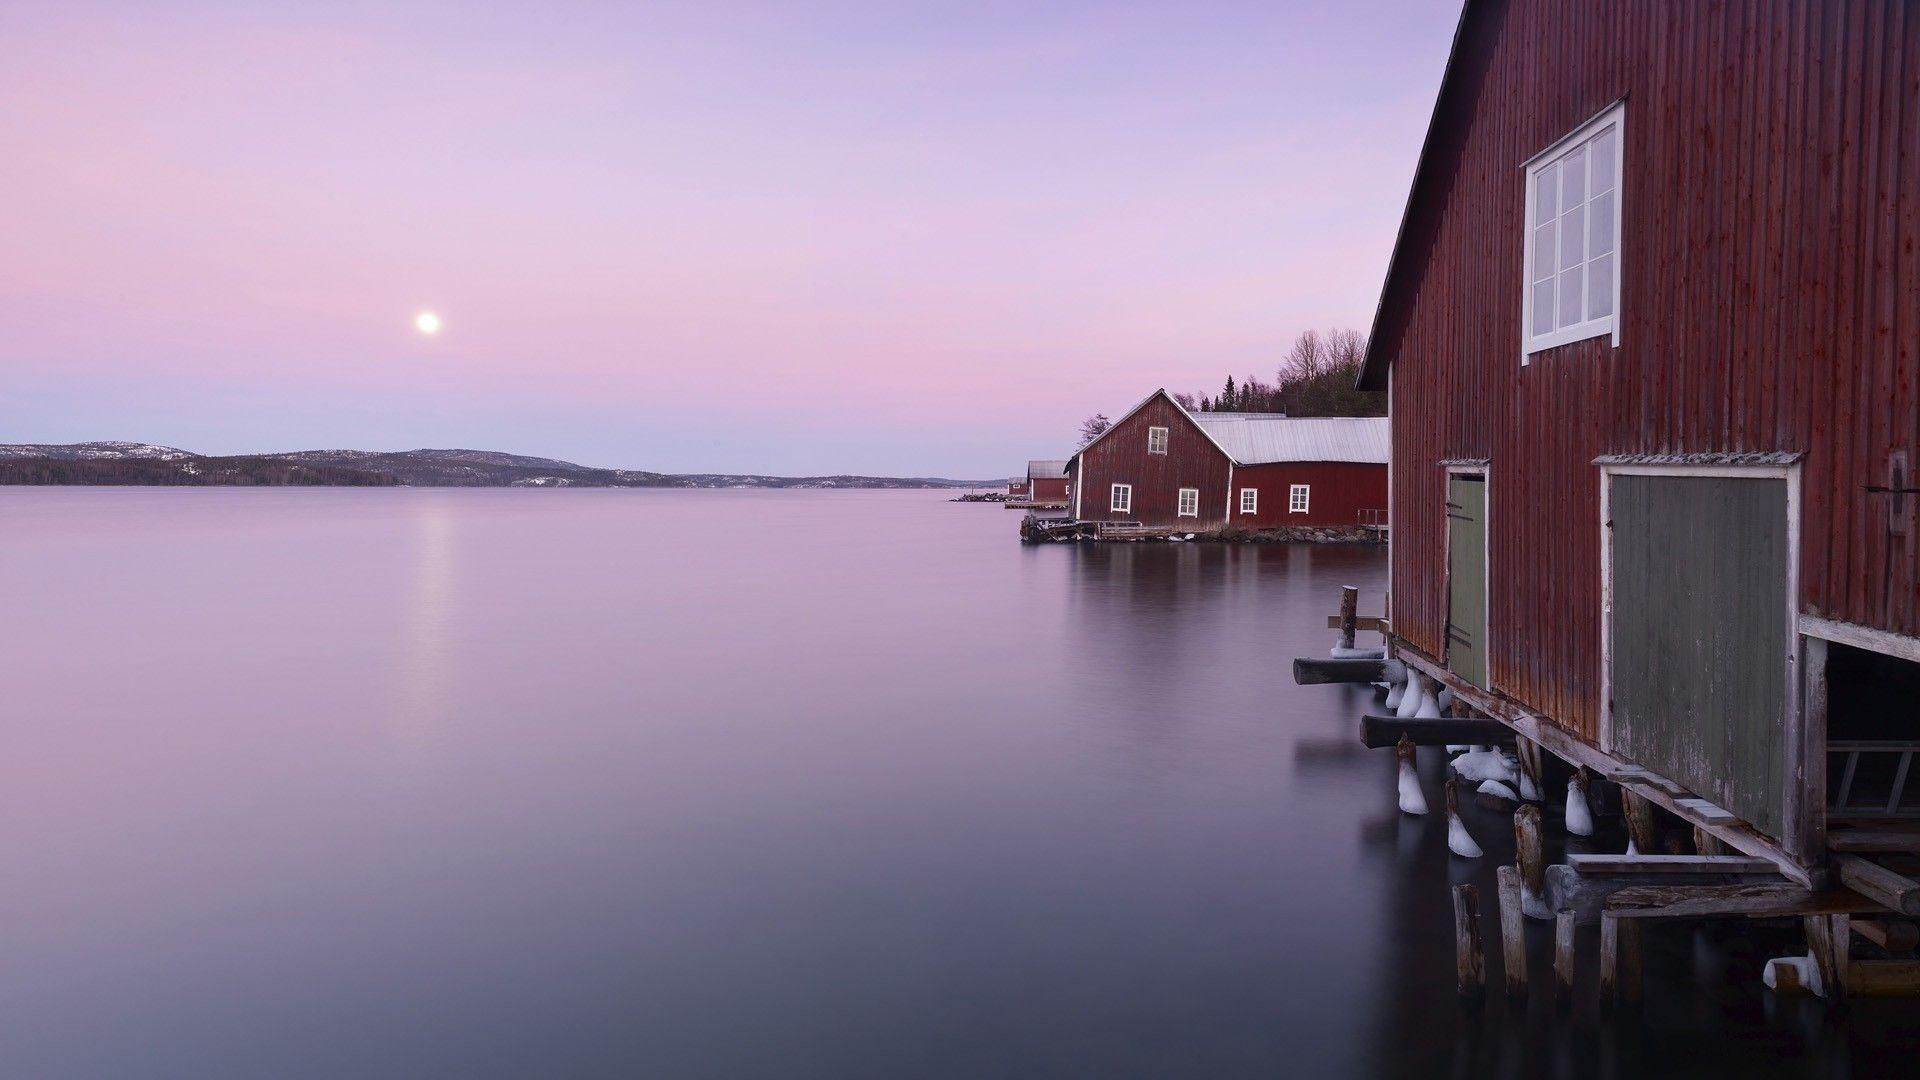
(1651,336)
(1047,481)
(1165,467)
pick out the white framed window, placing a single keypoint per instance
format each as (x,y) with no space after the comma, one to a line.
(1249,500)
(1572,287)
(1122,501)
(1297,498)
(1189,502)
(1156,440)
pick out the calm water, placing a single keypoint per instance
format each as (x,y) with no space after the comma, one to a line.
(488,783)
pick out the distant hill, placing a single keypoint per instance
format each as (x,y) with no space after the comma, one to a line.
(145,463)
(191,470)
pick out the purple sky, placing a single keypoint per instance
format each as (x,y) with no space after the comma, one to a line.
(792,238)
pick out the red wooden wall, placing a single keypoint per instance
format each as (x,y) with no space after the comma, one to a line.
(1049,489)
(1770,297)
(1340,490)
(1191,460)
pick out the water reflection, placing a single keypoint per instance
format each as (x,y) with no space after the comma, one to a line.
(740,784)
(424,676)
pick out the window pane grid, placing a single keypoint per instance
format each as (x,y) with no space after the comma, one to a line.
(1571,257)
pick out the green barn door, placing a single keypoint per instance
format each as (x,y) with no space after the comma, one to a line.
(1467,578)
(1699,635)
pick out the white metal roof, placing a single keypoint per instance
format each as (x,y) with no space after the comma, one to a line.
(1258,438)
(1049,469)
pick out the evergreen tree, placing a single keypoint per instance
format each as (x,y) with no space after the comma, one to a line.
(1229,398)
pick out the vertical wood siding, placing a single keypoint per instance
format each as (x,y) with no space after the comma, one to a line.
(1121,457)
(1699,630)
(1049,488)
(1340,491)
(1770,298)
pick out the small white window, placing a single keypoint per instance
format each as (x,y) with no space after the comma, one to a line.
(1156,440)
(1122,499)
(1573,237)
(1249,500)
(1297,498)
(1189,502)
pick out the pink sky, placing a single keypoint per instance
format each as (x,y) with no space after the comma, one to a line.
(786,238)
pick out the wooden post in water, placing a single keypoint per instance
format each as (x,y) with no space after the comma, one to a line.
(1639,814)
(1531,855)
(1528,752)
(1563,955)
(1828,939)
(1619,958)
(1349,612)
(1513,931)
(1470,967)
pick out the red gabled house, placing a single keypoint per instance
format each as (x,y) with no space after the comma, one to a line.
(1165,467)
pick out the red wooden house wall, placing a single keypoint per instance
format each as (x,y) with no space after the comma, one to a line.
(1049,489)
(1770,301)
(1338,491)
(1121,457)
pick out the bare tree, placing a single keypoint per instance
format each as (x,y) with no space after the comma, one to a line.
(1307,360)
(1093,426)
(1316,378)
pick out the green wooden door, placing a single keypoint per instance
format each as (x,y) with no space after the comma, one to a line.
(1467,578)
(1699,635)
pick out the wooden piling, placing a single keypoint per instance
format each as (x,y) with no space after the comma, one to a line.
(1828,940)
(1639,815)
(1470,967)
(1513,931)
(1528,752)
(1349,613)
(1619,958)
(1531,855)
(1564,955)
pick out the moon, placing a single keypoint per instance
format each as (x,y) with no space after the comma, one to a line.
(427,323)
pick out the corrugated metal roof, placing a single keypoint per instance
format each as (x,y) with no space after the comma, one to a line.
(1049,469)
(1258,438)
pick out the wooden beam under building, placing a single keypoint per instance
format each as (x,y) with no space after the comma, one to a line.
(1897,891)
(1383,731)
(1313,671)
(1733,832)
